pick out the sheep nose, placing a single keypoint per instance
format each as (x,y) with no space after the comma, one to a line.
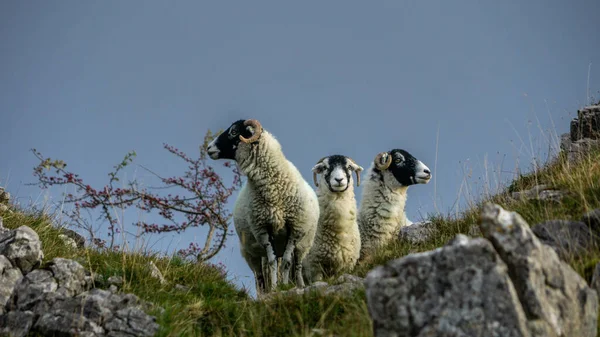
(427,171)
(339,180)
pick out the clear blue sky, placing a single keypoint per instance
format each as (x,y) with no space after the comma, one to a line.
(88,81)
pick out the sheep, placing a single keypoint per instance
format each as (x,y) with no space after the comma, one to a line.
(337,243)
(276,212)
(381,212)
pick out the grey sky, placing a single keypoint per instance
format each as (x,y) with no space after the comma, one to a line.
(88,81)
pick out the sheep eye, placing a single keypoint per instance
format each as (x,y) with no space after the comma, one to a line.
(233,133)
(398,161)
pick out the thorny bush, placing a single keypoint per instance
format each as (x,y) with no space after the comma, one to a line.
(202,203)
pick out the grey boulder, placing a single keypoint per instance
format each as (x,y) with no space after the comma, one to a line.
(587,123)
(9,278)
(557,300)
(506,284)
(70,275)
(22,247)
(540,193)
(417,232)
(16,323)
(461,289)
(567,238)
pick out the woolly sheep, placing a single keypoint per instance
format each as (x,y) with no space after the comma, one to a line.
(381,213)
(337,243)
(276,212)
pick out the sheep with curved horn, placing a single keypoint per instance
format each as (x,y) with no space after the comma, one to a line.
(381,213)
(276,212)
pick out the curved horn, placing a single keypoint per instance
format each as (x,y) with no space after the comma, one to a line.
(315,173)
(357,172)
(385,165)
(257,131)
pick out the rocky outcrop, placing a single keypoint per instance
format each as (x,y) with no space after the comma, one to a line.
(556,300)
(58,300)
(506,284)
(587,123)
(584,133)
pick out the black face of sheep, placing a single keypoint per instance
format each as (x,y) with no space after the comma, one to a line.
(337,171)
(407,169)
(226,144)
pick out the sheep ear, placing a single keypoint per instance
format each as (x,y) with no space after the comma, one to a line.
(318,168)
(353,165)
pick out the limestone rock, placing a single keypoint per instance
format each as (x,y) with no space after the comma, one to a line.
(418,232)
(587,123)
(4,196)
(70,275)
(32,288)
(556,300)
(66,324)
(4,200)
(9,278)
(182,288)
(56,301)
(16,323)
(115,280)
(541,193)
(155,272)
(67,241)
(592,220)
(576,150)
(344,285)
(506,284)
(22,247)
(348,278)
(567,238)
(131,322)
(425,294)
(75,237)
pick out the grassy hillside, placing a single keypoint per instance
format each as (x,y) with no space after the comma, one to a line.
(213,306)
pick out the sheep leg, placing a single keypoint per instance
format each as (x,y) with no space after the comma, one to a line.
(263,239)
(265,273)
(259,275)
(292,251)
(298,257)
(287,260)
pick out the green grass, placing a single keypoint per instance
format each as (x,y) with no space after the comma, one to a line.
(215,307)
